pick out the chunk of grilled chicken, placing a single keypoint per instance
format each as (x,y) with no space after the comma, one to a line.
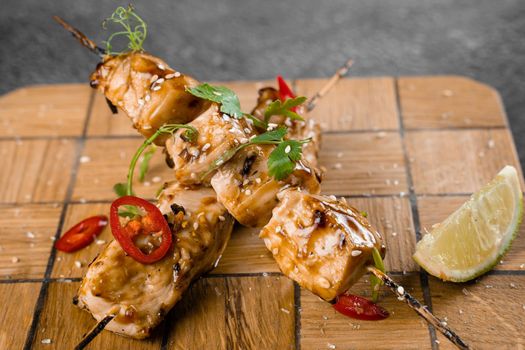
(245,188)
(218,133)
(148,91)
(140,295)
(297,129)
(321,243)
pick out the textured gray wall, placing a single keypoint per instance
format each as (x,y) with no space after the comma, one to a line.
(228,39)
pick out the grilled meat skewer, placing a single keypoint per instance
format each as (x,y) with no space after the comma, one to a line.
(140,295)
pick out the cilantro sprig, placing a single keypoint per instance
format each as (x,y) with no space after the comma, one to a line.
(375,281)
(284,108)
(220,94)
(125,189)
(282,159)
(134,29)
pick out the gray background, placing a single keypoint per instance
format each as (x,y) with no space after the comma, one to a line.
(228,39)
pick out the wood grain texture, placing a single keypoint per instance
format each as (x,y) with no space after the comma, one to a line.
(18,302)
(363,163)
(67,264)
(393,218)
(322,326)
(433,210)
(354,104)
(64,324)
(35,170)
(245,253)
(26,239)
(363,154)
(489,313)
(449,101)
(234,313)
(45,110)
(459,161)
(107,163)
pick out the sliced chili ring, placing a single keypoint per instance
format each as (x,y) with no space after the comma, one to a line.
(285,92)
(156,222)
(359,308)
(82,234)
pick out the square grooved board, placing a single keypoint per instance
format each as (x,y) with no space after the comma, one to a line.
(406,150)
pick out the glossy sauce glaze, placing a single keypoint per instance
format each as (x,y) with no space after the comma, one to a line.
(320,242)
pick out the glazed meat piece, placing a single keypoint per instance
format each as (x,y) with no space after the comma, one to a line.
(218,133)
(148,91)
(140,295)
(321,243)
(245,188)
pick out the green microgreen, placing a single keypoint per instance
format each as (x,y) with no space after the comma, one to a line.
(144,164)
(375,281)
(190,135)
(134,29)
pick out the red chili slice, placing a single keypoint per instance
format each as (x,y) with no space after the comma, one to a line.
(82,234)
(152,222)
(285,91)
(359,308)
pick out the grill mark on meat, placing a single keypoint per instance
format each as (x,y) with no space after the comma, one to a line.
(247,166)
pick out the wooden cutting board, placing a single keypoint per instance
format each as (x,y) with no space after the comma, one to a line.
(406,150)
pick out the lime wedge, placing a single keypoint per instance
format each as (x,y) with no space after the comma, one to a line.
(473,239)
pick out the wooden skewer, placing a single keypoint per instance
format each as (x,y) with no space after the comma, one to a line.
(84,40)
(99,327)
(420,309)
(341,72)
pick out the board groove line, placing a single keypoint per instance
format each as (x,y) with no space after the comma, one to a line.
(80,142)
(423,278)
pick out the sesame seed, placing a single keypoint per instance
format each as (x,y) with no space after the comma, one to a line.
(206,147)
(30,234)
(356,252)
(248,192)
(217,93)
(258,180)
(400,290)
(330,346)
(170,76)
(195,225)
(491,143)
(287,149)
(78,264)
(332,197)
(337,166)
(159,81)
(156,88)
(275,251)
(278,228)
(14,259)
(153,78)
(85,159)
(381,134)
(286,311)
(140,101)
(161,66)
(246,130)
(221,218)
(226,117)
(177,74)
(46,341)
(156,179)
(100,241)
(147,98)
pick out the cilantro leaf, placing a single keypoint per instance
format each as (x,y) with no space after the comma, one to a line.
(270,136)
(256,121)
(227,98)
(281,162)
(120,189)
(284,108)
(144,164)
(374,281)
